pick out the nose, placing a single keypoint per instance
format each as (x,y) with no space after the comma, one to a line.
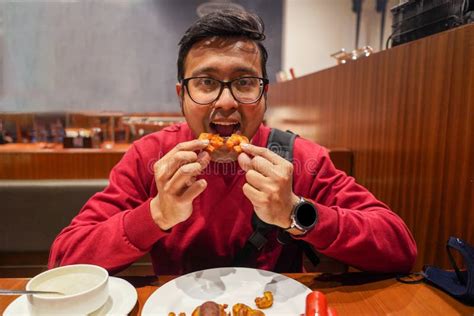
(226,100)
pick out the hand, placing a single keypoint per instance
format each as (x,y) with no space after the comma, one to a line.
(175,177)
(269,184)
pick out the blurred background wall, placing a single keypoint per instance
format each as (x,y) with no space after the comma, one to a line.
(314,29)
(120,55)
(103,55)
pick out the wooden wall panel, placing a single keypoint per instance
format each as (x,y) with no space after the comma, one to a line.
(406,114)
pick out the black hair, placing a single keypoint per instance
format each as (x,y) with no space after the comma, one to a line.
(225,23)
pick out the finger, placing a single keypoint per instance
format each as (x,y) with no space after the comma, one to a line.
(244,161)
(192,145)
(204,158)
(263,166)
(256,180)
(190,181)
(256,197)
(183,153)
(183,177)
(194,190)
(262,152)
(168,165)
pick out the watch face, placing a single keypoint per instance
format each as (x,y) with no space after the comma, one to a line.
(306,215)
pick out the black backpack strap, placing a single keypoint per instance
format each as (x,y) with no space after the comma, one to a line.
(281,143)
(255,243)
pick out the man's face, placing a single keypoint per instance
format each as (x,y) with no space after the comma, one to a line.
(222,59)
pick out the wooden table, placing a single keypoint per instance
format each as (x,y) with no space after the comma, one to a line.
(350,293)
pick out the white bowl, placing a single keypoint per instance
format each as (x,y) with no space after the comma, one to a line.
(85,287)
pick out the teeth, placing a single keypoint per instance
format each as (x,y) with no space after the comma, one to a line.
(225,123)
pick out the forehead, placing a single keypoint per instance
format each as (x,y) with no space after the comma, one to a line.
(223,55)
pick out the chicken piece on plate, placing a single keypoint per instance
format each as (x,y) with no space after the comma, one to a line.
(266,301)
(240,309)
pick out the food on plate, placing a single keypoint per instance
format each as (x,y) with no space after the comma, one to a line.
(210,308)
(240,309)
(317,305)
(232,143)
(266,301)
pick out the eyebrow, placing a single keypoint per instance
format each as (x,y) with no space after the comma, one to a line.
(206,70)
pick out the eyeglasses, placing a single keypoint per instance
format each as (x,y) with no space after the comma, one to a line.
(205,90)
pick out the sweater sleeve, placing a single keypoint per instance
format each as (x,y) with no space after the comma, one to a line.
(114,228)
(353,226)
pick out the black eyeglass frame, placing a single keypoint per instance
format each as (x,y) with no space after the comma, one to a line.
(227,84)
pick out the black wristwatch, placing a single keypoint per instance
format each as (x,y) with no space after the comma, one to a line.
(303,216)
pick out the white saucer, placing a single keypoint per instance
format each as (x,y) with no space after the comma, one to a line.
(122,299)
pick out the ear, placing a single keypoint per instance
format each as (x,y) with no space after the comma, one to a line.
(179,88)
(265,96)
(179,91)
(265,90)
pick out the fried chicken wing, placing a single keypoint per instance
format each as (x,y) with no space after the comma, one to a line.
(215,141)
(240,309)
(232,142)
(266,301)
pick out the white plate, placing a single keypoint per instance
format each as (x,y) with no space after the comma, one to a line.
(227,286)
(122,299)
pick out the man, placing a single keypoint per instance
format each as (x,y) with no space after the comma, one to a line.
(193,210)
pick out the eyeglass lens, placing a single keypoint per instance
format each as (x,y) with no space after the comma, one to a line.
(207,90)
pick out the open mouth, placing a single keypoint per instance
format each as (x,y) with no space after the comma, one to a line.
(225,129)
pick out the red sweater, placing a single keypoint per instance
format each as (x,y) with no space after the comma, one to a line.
(115,227)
